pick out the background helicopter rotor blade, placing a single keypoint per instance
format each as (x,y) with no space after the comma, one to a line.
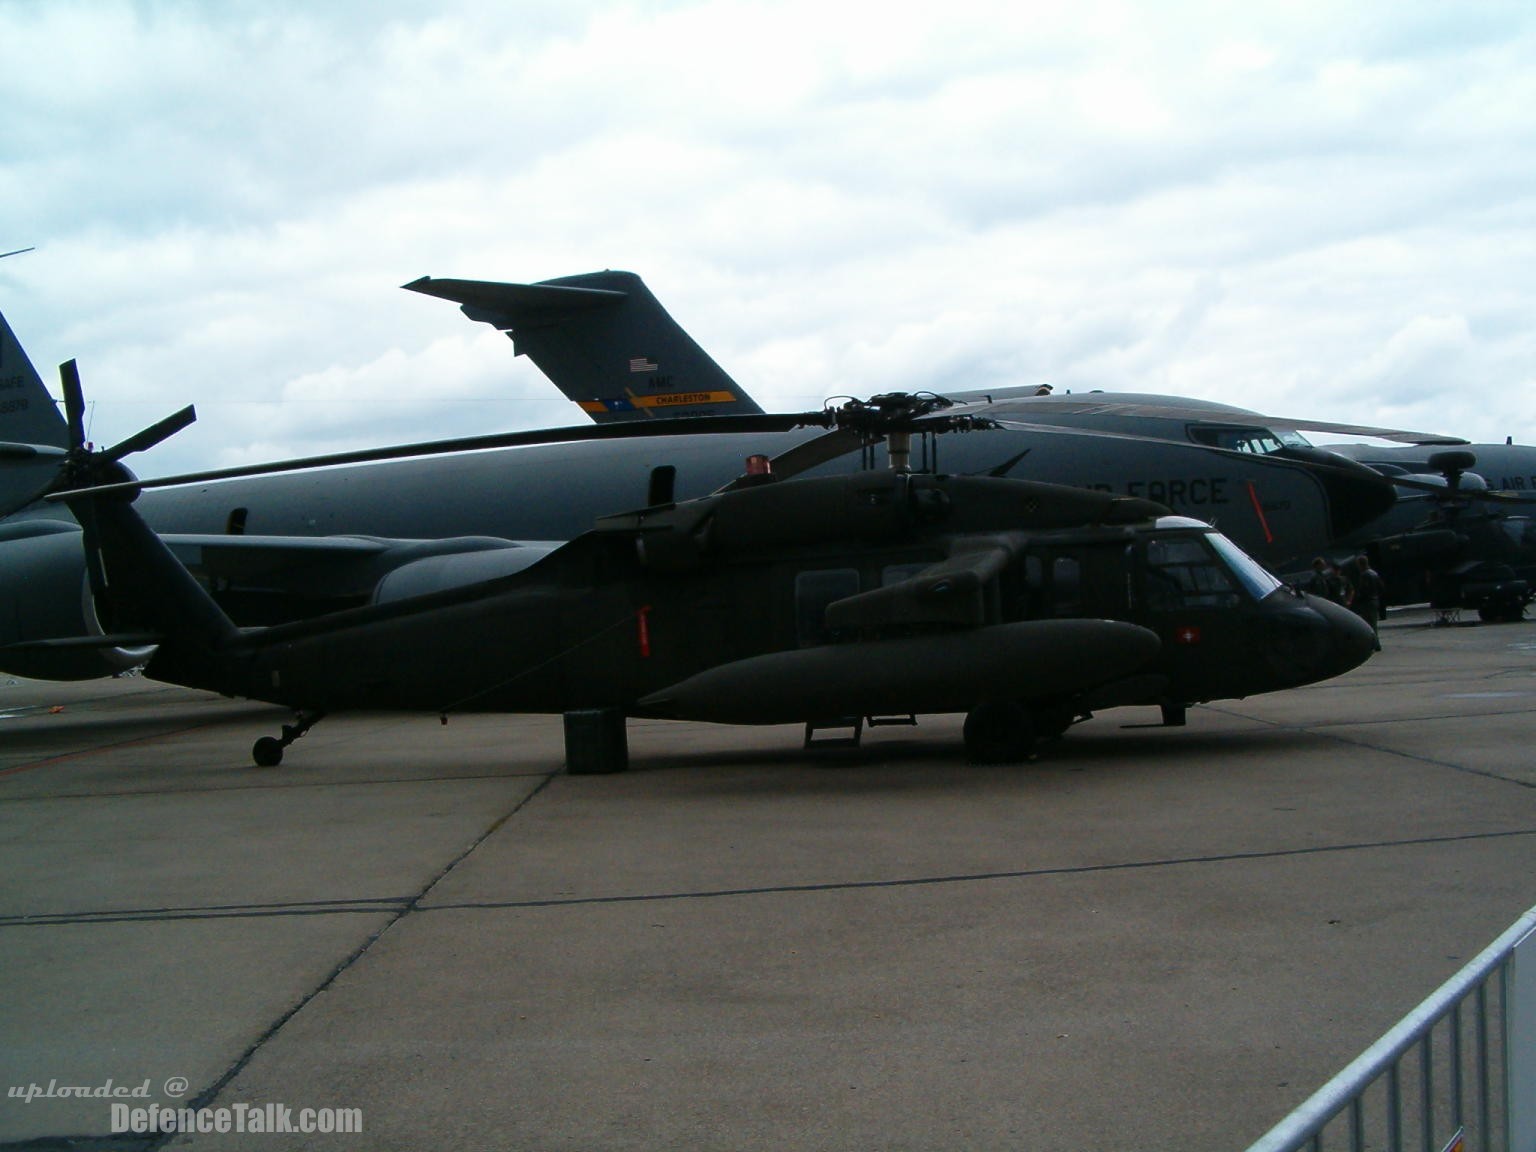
(1455,490)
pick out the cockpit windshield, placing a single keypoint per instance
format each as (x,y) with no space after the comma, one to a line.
(1256,441)
(1254,576)
(1202,571)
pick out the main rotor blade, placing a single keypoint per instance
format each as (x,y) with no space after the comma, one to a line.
(803,457)
(74,402)
(1487,495)
(152,435)
(679,426)
(1095,404)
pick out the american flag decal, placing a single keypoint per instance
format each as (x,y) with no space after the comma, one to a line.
(642,364)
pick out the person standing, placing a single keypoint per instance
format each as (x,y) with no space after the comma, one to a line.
(1325,581)
(1341,584)
(1368,595)
(1317,583)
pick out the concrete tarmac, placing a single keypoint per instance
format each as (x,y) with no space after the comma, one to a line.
(1150,939)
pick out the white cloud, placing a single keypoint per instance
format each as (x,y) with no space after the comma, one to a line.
(1315,210)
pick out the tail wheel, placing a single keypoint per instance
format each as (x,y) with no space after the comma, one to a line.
(1000,732)
(267,752)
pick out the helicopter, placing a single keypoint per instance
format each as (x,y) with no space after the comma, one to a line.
(876,596)
(1452,541)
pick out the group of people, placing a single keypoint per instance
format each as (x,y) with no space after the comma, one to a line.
(1359,587)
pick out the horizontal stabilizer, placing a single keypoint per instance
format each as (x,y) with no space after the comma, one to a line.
(511,306)
(61,643)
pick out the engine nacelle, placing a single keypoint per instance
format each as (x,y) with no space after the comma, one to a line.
(437,573)
(46,595)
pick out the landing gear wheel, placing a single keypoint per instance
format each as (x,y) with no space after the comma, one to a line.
(267,752)
(1000,732)
(1502,612)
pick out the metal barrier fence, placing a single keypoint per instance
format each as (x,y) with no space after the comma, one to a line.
(1465,1059)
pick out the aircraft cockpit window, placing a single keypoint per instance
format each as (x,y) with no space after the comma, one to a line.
(1257,579)
(1255,441)
(1181,573)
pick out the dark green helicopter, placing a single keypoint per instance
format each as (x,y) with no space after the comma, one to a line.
(880,596)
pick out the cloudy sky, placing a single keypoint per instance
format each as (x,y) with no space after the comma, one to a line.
(1316,209)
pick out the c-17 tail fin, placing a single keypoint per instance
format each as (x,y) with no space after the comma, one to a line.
(28,414)
(605,341)
(29,419)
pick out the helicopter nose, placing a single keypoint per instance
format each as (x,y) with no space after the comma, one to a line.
(1310,639)
(1352,639)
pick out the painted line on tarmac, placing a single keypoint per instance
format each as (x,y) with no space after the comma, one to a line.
(974,877)
(115,745)
(367,904)
(1326,731)
(399,906)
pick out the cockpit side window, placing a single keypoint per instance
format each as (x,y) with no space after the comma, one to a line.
(1181,573)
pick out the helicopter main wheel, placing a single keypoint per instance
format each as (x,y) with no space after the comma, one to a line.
(1503,611)
(596,742)
(1000,732)
(267,752)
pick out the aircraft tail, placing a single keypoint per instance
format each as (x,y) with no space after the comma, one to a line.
(144,585)
(605,341)
(29,418)
(28,414)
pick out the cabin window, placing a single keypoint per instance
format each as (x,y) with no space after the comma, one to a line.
(1053,586)
(813,592)
(1066,586)
(1181,573)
